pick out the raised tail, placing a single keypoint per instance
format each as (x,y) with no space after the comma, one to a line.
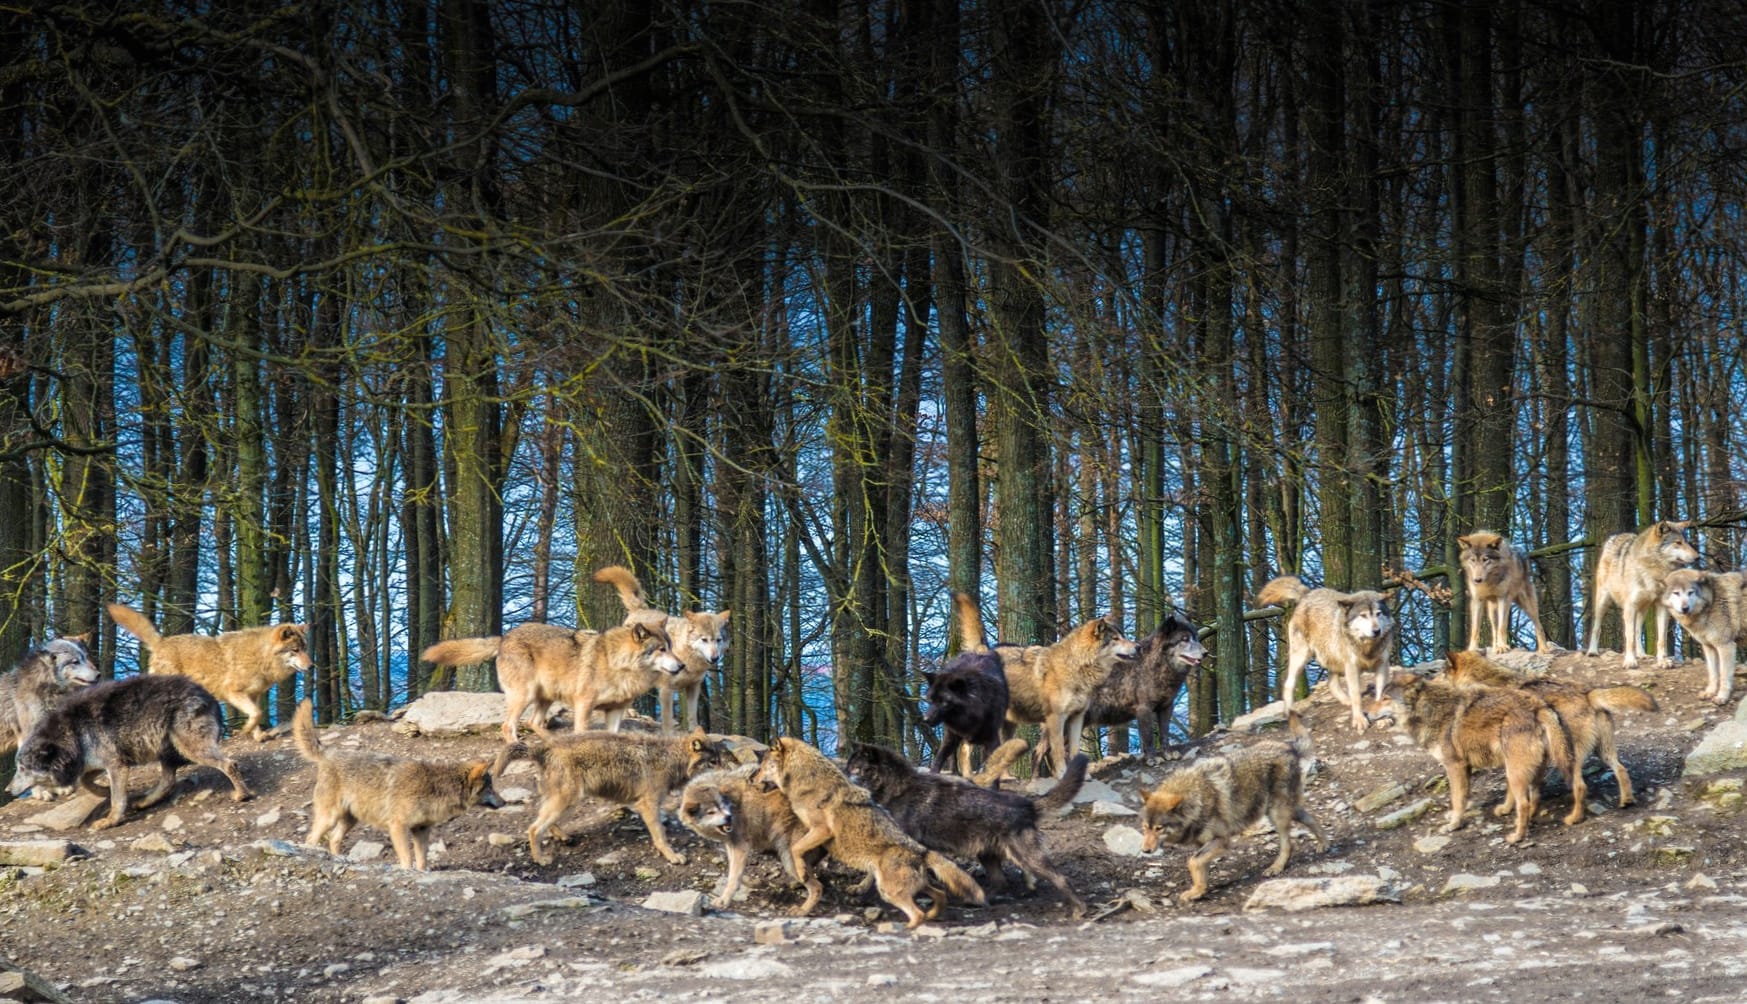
(463,651)
(1283,590)
(1300,735)
(136,624)
(958,882)
(303,731)
(999,761)
(1065,789)
(1618,699)
(970,623)
(625,581)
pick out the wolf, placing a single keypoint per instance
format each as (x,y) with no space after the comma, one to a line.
(538,664)
(727,807)
(1478,727)
(1710,606)
(700,639)
(33,687)
(1215,799)
(1629,573)
(239,667)
(1348,633)
(634,770)
(954,816)
(121,724)
(1144,689)
(1498,575)
(404,798)
(860,833)
(968,697)
(1054,684)
(1587,714)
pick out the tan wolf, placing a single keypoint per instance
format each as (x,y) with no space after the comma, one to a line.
(238,667)
(699,637)
(538,664)
(1467,728)
(628,769)
(1629,573)
(404,798)
(726,806)
(1711,607)
(1349,633)
(1498,575)
(1587,714)
(1215,799)
(859,833)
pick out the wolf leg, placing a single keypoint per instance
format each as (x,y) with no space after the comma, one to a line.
(401,836)
(1458,778)
(117,799)
(1198,863)
(166,784)
(649,807)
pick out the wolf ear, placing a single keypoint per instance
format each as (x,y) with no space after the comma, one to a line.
(290,632)
(476,770)
(725,614)
(1466,540)
(1164,801)
(83,638)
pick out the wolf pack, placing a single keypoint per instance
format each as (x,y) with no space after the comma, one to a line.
(910,831)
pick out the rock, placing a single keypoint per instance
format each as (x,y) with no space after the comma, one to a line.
(1724,795)
(1300,949)
(71,813)
(183,963)
(1093,790)
(1674,854)
(1660,826)
(452,712)
(686,901)
(1103,809)
(1701,881)
(1462,881)
(383,999)
(36,853)
(1401,817)
(1528,868)
(1240,974)
(518,911)
(773,932)
(155,843)
(336,969)
(1267,714)
(172,823)
(684,957)
(1123,840)
(580,880)
(645,873)
(19,983)
(268,818)
(1377,798)
(1294,894)
(516,796)
(496,839)
(1432,844)
(1169,979)
(1724,748)
(365,850)
(746,968)
(279,848)
(882,980)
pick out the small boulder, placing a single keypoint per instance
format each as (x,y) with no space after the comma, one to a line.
(1294,894)
(686,901)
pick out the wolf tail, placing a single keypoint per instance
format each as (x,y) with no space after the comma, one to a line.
(515,751)
(1622,699)
(970,623)
(463,651)
(1283,590)
(1300,735)
(303,731)
(625,581)
(1558,739)
(136,624)
(958,882)
(999,761)
(1065,789)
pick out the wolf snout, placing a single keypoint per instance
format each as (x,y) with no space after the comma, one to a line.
(20,784)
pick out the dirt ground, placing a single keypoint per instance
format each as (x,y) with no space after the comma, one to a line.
(201,899)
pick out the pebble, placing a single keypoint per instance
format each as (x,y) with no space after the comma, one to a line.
(496,839)
(1111,809)
(580,880)
(183,963)
(268,818)
(686,901)
(1123,840)
(1463,880)
(172,823)
(365,850)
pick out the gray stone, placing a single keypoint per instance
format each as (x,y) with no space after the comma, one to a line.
(1123,840)
(365,850)
(36,853)
(1267,714)
(154,843)
(1103,809)
(745,968)
(71,813)
(1724,748)
(450,712)
(515,796)
(1463,881)
(518,911)
(773,932)
(496,839)
(686,901)
(268,818)
(1294,894)
(1377,798)
(1432,844)
(580,880)
(183,963)
(1169,979)
(1401,817)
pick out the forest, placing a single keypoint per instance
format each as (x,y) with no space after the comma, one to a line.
(402,317)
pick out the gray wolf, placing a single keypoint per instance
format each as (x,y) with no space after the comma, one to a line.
(954,816)
(1468,728)
(700,639)
(634,770)
(1348,633)
(1711,608)
(239,667)
(1629,573)
(860,833)
(39,681)
(1054,684)
(1208,803)
(122,724)
(403,797)
(538,664)
(727,807)
(1498,575)
(1144,689)
(968,697)
(1587,714)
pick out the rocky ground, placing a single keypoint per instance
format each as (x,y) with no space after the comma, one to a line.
(201,899)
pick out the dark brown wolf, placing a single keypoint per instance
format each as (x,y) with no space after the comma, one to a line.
(968,697)
(634,770)
(403,797)
(1498,575)
(954,816)
(1349,633)
(859,833)
(1587,714)
(114,726)
(1630,573)
(1478,727)
(237,666)
(1144,689)
(1208,803)
(700,638)
(727,807)
(39,681)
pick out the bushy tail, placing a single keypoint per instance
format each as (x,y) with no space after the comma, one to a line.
(958,882)
(1283,590)
(514,751)
(1558,739)
(1065,789)
(1300,735)
(970,623)
(463,651)
(303,731)
(136,624)
(998,761)
(625,581)
(1622,699)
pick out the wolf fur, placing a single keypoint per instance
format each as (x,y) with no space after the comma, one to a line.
(1054,685)
(121,724)
(1498,575)
(727,807)
(1630,573)
(1587,714)
(1711,607)
(968,697)
(700,639)
(1468,728)
(538,664)
(954,816)
(860,833)
(238,667)
(627,769)
(34,686)
(1145,688)
(1349,633)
